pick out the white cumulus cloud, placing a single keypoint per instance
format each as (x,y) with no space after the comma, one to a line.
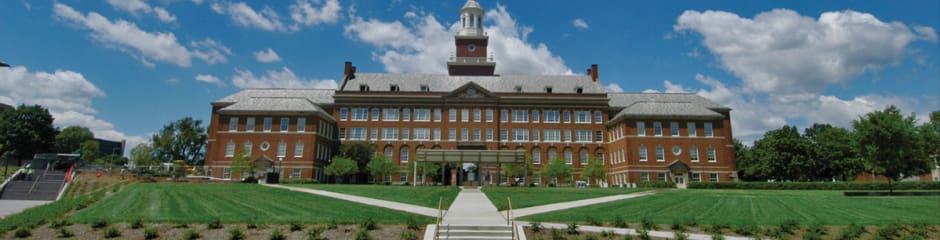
(266,19)
(208,78)
(267,56)
(283,78)
(141,7)
(613,88)
(580,23)
(304,12)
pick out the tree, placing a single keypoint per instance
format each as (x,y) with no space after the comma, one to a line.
(512,170)
(71,138)
(341,167)
(555,169)
(25,131)
(111,160)
(891,144)
(428,169)
(380,167)
(184,139)
(834,152)
(90,151)
(749,168)
(784,155)
(594,170)
(359,152)
(142,155)
(243,165)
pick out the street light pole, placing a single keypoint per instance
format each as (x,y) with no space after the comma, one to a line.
(280,167)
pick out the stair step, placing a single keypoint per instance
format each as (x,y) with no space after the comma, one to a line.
(466,227)
(473,237)
(475,233)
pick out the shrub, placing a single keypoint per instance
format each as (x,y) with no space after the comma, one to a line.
(607,234)
(656,185)
(717,228)
(677,226)
(746,230)
(22,232)
(572,229)
(296,226)
(408,235)
(65,233)
(214,224)
(816,231)
(628,237)
(59,223)
(151,233)
(919,231)
(718,236)
(536,226)
(590,237)
(314,233)
(620,223)
(647,224)
(331,224)
(681,235)
(181,225)
(775,233)
(277,235)
(852,231)
(137,223)
(413,224)
(789,226)
(644,235)
(363,234)
(593,221)
(691,222)
(297,181)
(236,234)
(100,223)
(111,232)
(191,234)
(557,235)
(368,224)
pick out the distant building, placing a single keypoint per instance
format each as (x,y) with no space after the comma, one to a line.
(107,147)
(638,136)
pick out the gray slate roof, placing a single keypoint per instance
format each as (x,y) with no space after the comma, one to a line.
(278,100)
(318,96)
(664,105)
(411,82)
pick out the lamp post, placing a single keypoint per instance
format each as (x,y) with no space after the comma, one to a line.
(280,167)
(701,176)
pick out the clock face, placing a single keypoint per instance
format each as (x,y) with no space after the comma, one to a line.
(472,47)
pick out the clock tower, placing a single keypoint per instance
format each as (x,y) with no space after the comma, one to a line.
(471,56)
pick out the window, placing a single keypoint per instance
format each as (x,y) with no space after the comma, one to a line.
(390,114)
(598,117)
(465,115)
(233,124)
(342,133)
(437,134)
(548,89)
(579,90)
(599,136)
(282,149)
(711,155)
(295,173)
(360,114)
(406,114)
(301,124)
(568,135)
(374,134)
(566,117)
(403,154)
(660,154)
(390,133)
(393,88)
(644,177)
(477,115)
(674,129)
(477,134)
(582,117)
(642,153)
(552,155)
(504,115)
(552,135)
(536,157)
(568,156)
(520,135)
(437,114)
(583,136)
(517,89)
(583,157)
(535,116)
(230,149)
(422,134)
(657,129)
(503,135)
(661,177)
(285,122)
(535,135)
(640,129)
(691,129)
(299,149)
(464,134)
(489,115)
(226,173)
(389,153)
(247,147)
(551,116)
(363,88)
(425,88)
(452,115)
(343,114)
(696,177)
(452,134)
(708,130)
(250,125)
(375,114)
(403,177)
(713,177)
(357,133)
(404,134)
(267,124)
(693,154)
(520,116)
(489,134)
(422,115)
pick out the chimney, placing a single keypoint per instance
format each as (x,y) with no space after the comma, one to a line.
(593,72)
(349,69)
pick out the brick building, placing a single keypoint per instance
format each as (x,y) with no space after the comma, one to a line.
(639,136)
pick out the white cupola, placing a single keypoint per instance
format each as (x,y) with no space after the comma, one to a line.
(471,19)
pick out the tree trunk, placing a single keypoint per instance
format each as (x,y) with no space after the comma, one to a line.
(890,188)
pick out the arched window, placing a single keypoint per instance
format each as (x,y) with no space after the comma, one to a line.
(584,156)
(403,155)
(552,154)
(389,152)
(536,156)
(569,156)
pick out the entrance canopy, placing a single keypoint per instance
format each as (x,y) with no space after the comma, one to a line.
(470,156)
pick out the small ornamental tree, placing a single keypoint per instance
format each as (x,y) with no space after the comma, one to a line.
(380,167)
(341,167)
(892,145)
(594,170)
(243,165)
(556,169)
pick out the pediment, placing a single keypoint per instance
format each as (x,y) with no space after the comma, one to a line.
(471,90)
(678,167)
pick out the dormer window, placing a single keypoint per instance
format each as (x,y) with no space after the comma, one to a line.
(579,90)
(363,88)
(548,89)
(425,88)
(518,89)
(393,88)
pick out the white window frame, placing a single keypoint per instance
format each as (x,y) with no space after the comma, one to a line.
(693,154)
(536,135)
(582,135)
(504,135)
(551,116)
(233,124)
(552,135)
(712,155)
(452,115)
(285,124)
(674,129)
(405,134)
(282,149)
(660,154)
(691,128)
(598,117)
(520,135)
(343,114)
(452,134)
(503,115)
(230,149)
(520,116)
(489,134)
(489,115)
(390,114)
(437,115)
(582,117)
(464,134)
(360,114)
(250,125)
(299,149)
(268,124)
(422,134)
(301,124)
(374,134)
(357,133)
(569,156)
(641,128)
(477,115)
(247,146)
(535,116)
(566,116)
(422,115)
(709,131)
(536,157)
(477,134)
(390,134)
(465,115)
(403,155)
(643,154)
(437,134)
(375,114)
(658,129)
(568,137)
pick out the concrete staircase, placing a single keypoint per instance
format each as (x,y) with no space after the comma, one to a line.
(44,187)
(474,232)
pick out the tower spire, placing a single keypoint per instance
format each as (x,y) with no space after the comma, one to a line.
(471,41)
(471,19)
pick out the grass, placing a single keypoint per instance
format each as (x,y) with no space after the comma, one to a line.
(758,207)
(46,213)
(523,197)
(233,203)
(427,196)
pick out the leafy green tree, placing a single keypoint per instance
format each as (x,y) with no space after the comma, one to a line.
(892,145)
(749,167)
(427,169)
(785,154)
(142,155)
(111,160)
(71,138)
(243,165)
(25,131)
(341,167)
(835,153)
(90,151)
(380,167)
(555,169)
(184,139)
(513,170)
(361,153)
(594,170)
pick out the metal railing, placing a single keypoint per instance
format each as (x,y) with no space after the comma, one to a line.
(36,181)
(440,217)
(509,219)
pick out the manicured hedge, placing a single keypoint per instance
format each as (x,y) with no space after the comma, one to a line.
(817,185)
(656,185)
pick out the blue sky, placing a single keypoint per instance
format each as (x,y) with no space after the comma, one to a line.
(124,68)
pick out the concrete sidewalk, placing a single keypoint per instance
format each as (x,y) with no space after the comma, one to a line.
(472,208)
(573,204)
(10,207)
(404,207)
(625,231)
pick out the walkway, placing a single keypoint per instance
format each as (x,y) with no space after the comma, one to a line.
(472,208)
(404,207)
(10,207)
(624,231)
(573,204)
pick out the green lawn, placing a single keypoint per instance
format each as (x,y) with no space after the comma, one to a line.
(427,196)
(523,197)
(758,207)
(197,202)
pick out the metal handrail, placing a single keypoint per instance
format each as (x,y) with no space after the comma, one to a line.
(440,216)
(36,181)
(509,220)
